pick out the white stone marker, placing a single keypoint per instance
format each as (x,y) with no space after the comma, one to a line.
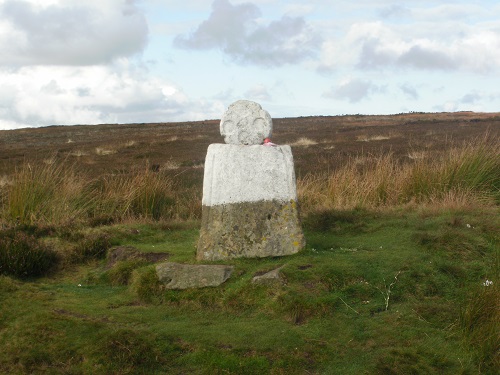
(249,191)
(245,123)
(236,174)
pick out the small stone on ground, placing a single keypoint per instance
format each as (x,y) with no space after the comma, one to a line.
(185,276)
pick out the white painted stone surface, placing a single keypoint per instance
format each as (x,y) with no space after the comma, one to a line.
(245,123)
(237,173)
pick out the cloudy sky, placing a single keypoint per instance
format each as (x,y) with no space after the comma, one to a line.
(124,61)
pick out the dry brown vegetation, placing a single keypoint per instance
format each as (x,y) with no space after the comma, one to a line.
(121,147)
(156,170)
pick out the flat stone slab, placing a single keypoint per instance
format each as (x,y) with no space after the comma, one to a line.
(268,277)
(185,276)
(235,174)
(245,123)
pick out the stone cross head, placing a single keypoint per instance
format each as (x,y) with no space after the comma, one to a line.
(245,123)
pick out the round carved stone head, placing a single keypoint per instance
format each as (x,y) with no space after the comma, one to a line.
(245,123)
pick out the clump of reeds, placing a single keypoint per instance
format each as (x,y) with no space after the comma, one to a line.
(43,193)
(463,176)
(140,194)
(55,193)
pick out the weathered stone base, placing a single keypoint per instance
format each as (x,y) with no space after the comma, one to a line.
(250,230)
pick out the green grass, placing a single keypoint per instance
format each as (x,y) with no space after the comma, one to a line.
(341,308)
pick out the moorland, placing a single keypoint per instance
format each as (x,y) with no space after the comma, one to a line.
(400,274)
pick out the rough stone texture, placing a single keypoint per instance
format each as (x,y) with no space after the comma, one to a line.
(269,277)
(245,123)
(184,276)
(121,253)
(250,229)
(236,173)
(249,191)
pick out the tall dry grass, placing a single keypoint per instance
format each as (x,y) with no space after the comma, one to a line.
(43,193)
(466,175)
(55,194)
(142,194)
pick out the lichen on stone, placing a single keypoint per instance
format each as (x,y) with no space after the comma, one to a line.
(250,229)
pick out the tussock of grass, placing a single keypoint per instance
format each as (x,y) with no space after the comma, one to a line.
(24,256)
(171,165)
(78,153)
(4,181)
(145,284)
(43,193)
(104,151)
(57,194)
(142,194)
(366,138)
(469,175)
(304,142)
(122,271)
(480,320)
(415,155)
(91,247)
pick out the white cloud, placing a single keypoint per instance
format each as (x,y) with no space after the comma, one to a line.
(409,90)
(447,12)
(73,61)
(258,93)
(471,98)
(239,32)
(123,93)
(449,45)
(425,57)
(449,106)
(298,9)
(69,32)
(353,90)
(395,10)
